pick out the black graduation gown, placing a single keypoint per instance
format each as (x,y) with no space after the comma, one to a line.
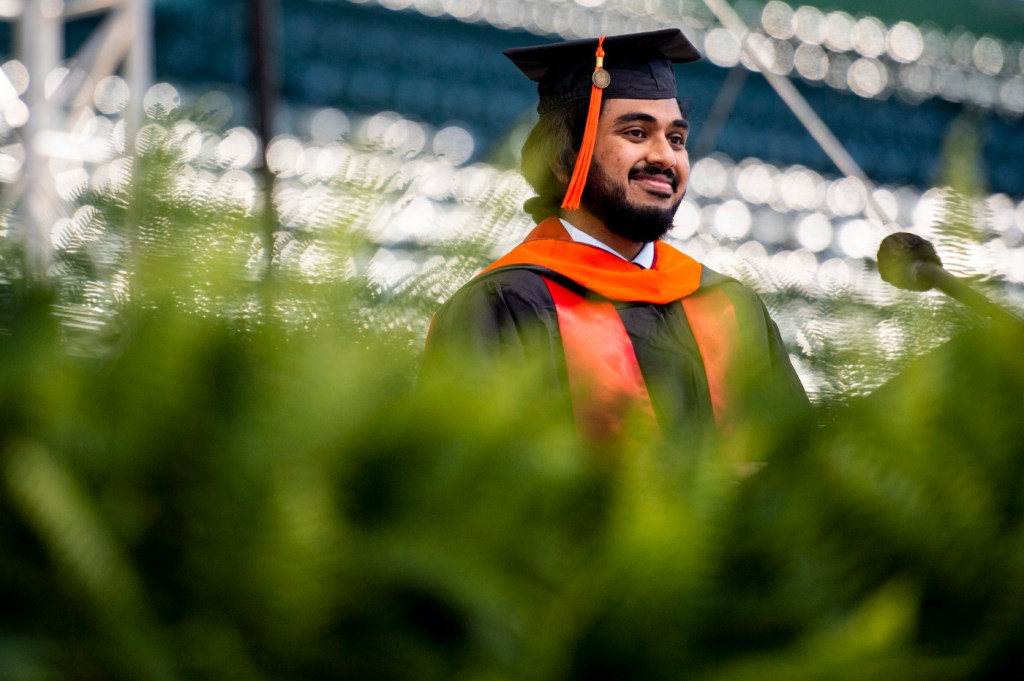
(508,312)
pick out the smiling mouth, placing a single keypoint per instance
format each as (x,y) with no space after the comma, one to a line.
(659,184)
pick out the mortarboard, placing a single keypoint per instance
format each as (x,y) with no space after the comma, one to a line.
(633,66)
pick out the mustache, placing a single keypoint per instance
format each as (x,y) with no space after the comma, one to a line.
(666,174)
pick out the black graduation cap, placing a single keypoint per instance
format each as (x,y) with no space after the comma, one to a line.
(632,66)
(639,66)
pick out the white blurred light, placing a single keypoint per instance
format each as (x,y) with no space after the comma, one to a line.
(111,95)
(11,159)
(927,210)
(71,183)
(327,125)
(17,74)
(811,61)
(112,177)
(962,50)
(814,232)
(471,182)
(1011,94)
(331,160)
(1014,266)
(238,148)
(686,220)
(283,154)
(801,189)
(188,139)
(905,43)
(846,196)
(161,99)
(838,31)
(1000,209)
(887,202)
(453,144)
(869,36)
(16,113)
(732,220)
(752,251)
(54,79)
(373,128)
(413,221)
(760,47)
(936,47)
(754,183)
(406,138)
(238,186)
(777,19)
(835,274)
(781,57)
(721,47)
(867,77)
(838,67)
(430,8)
(811,26)
(8,93)
(462,9)
(988,56)
(434,179)
(857,239)
(708,177)
(117,137)
(917,78)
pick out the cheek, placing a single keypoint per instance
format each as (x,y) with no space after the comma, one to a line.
(683,168)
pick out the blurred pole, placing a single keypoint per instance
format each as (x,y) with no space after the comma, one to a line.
(40,37)
(138,65)
(263,16)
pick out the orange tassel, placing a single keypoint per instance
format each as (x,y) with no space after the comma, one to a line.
(582,168)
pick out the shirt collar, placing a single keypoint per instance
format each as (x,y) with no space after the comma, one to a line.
(645,258)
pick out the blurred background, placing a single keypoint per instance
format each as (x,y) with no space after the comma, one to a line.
(926,98)
(225,225)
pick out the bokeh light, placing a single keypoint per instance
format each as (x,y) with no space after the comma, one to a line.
(161,99)
(905,43)
(778,20)
(454,144)
(869,37)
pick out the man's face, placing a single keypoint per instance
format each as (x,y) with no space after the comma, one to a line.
(640,166)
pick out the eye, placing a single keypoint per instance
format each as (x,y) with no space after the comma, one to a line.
(677,140)
(638,133)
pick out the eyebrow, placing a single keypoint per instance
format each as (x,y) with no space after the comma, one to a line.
(638,116)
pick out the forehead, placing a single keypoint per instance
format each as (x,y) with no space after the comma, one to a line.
(664,111)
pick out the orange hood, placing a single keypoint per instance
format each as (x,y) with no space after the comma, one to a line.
(673,275)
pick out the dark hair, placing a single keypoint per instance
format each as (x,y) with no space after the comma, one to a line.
(549,154)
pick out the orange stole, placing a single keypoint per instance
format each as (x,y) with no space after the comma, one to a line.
(605,381)
(712,318)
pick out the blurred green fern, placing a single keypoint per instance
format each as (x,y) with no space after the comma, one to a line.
(207,474)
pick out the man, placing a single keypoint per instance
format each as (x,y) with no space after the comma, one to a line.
(623,322)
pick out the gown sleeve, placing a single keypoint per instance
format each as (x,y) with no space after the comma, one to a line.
(507,318)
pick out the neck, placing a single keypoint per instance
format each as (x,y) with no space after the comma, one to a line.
(596,228)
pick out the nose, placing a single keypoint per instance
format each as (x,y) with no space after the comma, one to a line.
(660,152)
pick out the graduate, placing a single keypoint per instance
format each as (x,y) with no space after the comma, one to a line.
(622,323)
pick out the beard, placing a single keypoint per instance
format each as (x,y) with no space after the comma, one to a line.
(607,200)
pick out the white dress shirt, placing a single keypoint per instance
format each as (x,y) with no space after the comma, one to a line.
(645,258)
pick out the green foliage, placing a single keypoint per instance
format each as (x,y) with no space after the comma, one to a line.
(210,474)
